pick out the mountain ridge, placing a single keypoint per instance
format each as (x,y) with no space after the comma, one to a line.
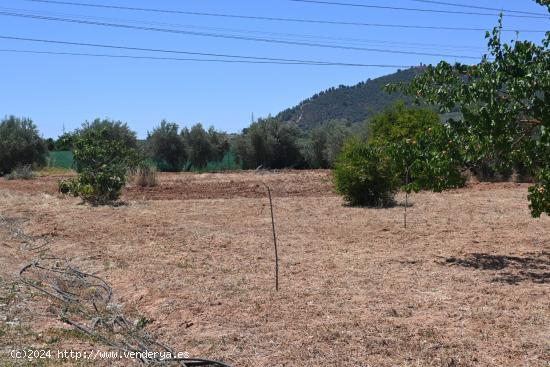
(351,104)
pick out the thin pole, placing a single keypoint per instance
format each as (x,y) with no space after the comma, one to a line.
(274,240)
(406,195)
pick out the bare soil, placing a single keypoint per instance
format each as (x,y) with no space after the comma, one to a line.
(467,283)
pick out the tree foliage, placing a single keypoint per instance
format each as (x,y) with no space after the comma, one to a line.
(103,159)
(414,151)
(112,130)
(505,106)
(166,147)
(20,144)
(65,141)
(269,143)
(205,146)
(398,123)
(323,144)
(220,143)
(432,160)
(365,174)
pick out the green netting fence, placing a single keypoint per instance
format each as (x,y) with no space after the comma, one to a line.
(64,159)
(60,159)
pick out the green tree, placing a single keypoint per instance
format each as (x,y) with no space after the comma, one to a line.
(103,160)
(50,144)
(505,107)
(220,143)
(166,147)
(269,143)
(20,144)
(398,123)
(113,130)
(199,145)
(430,161)
(65,141)
(425,153)
(324,143)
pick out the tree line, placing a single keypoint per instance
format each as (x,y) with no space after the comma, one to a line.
(267,143)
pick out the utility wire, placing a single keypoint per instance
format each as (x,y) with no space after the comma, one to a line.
(478,7)
(385,7)
(158,58)
(274,19)
(194,59)
(340,40)
(275,60)
(226,36)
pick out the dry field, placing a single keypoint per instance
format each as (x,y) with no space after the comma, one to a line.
(466,284)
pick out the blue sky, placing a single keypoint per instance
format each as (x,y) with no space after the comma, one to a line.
(57,91)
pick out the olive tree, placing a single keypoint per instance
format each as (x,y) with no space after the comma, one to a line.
(20,144)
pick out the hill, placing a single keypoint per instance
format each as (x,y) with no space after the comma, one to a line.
(350,103)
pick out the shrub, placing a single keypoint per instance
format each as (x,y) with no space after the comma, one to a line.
(103,161)
(21,173)
(166,147)
(365,175)
(539,195)
(145,175)
(20,144)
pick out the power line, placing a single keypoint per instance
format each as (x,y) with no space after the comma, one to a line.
(386,7)
(275,19)
(128,48)
(192,59)
(151,57)
(479,7)
(340,40)
(225,36)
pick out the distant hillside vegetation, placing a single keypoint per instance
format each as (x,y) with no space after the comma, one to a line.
(352,104)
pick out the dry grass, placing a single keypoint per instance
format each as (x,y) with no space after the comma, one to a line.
(54,171)
(467,284)
(144,176)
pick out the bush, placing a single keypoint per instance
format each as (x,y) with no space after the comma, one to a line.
(21,173)
(145,175)
(20,144)
(166,147)
(103,161)
(365,175)
(539,195)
